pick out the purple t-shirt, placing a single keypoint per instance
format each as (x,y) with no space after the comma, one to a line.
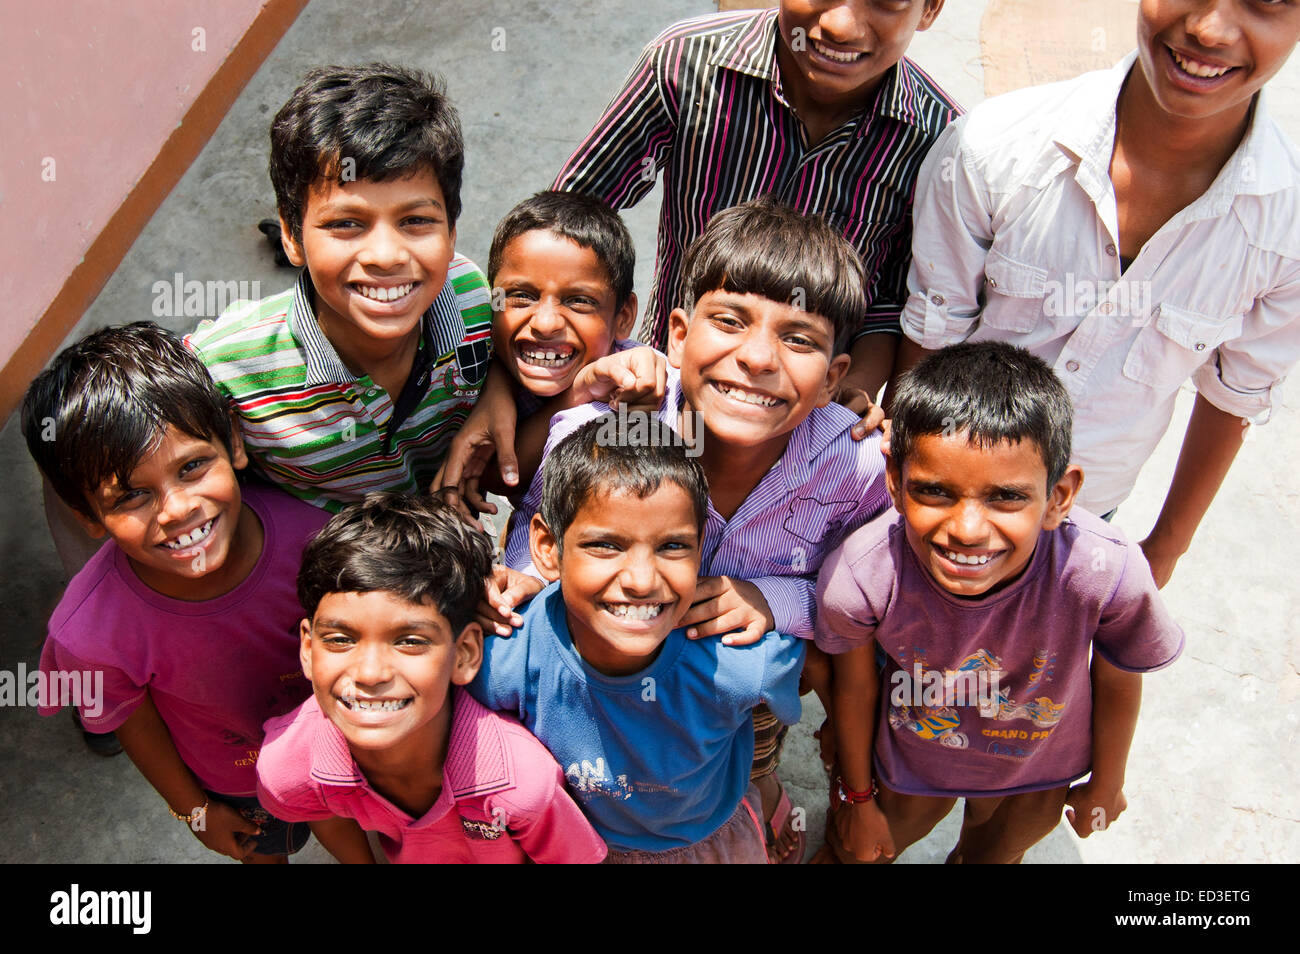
(992,695)
(216,669)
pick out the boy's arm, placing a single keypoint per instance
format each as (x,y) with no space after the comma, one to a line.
(855,692)
(1116,699)
(344,839)
(489,430)
(1210,445)
(148,743)
(620,158)
(558,834)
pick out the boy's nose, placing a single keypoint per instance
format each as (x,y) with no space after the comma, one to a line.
(178,504)
(637,576)
(1211,23)
(371,667)
(757,352)
(384,248)
(967,525)
(547,319)
(844,23)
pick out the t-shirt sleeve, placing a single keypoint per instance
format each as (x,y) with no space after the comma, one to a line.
(845,619)
(502,678)
(782,665)
(105,696)
(1136,632)
(284,787)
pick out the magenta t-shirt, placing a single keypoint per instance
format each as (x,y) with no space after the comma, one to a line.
(216,669)
(503,799)
(992,695)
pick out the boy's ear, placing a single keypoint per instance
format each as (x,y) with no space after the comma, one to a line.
(1061,497)
(678,322)
(94,529)
(292,248)
(625,320)
(304,647)
(835,372)
(932,9)
(893,478)
(544,549)
(238,455)
(469,655)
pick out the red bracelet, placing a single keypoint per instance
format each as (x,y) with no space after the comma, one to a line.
(849,796)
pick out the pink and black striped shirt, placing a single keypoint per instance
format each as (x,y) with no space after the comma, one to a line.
(825,486)
(704,105)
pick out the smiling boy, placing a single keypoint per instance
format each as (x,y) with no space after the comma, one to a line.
(653,729)
(813,103)
(1163,185)
(188,615)
(356,379)
(390,742)
(986,594)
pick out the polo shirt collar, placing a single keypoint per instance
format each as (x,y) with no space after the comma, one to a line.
(441,327)
(1261,165)
(750,48)
(477,763)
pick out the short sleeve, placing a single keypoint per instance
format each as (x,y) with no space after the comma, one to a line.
(502,678)
(284,787)
(1136,632)
(552,830)
(782,665)
(105,696)
(845,620)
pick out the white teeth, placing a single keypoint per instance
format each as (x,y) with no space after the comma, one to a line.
(376,705)
(189,539)
(376,293)
(749,397)
(637,611)
(835,55)
(1202,70)
(547,359)
(963,558)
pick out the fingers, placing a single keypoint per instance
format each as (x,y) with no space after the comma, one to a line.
(504,442)
(476,499)
(494,621)
(451,496)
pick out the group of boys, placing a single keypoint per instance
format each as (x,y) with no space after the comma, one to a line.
(685,562)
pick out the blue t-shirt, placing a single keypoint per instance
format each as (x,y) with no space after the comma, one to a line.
(657,759)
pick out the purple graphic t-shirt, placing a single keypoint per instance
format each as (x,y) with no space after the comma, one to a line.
(992,695)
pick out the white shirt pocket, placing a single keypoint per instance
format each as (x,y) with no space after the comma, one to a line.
(1013,293)
(1174,344)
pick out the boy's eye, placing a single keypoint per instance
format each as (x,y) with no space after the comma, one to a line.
(337,640)
(413,642)
(129,499)
(600,547)
(190,467)
(581,303)
(419,221)
(729,322)
(1008,497)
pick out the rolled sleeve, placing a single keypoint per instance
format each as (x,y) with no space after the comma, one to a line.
(952,233)
(790,598)
(1242,375)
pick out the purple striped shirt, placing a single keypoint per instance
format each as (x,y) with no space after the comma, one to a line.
(825,486)
(704,105)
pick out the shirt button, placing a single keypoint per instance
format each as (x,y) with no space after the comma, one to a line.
(1105,308)
(993,283)
(1200,346)
(937,299)
(1110,250)
(1072,366)
(370,392)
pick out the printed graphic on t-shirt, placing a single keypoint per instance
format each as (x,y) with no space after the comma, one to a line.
(963,707)
(594,778)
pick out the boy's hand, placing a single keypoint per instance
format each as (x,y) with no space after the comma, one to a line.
(723,605)
(222,828)
(863,830)
(489,430)
(637,377)
(1093,807)
(504,590)
(859,402)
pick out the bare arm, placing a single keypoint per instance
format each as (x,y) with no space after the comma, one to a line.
(1210,445)
(344,839)
(1116,699)
(855,690)
(908,356)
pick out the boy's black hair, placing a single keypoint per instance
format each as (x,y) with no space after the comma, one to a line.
(762,247)
(104,402)
(389,121)
(604,455)
(415,548)
(990,390)
(580,218)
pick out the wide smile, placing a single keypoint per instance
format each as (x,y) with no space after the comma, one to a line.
(969,563)
(187,543)
(833,57)
(644,615)
(548,359)
(747,398)
(387,299)
(1196,74)
(373,711)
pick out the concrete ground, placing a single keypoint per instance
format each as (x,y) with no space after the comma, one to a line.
(1208,781)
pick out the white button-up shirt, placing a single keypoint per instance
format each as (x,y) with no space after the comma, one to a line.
(1017,239)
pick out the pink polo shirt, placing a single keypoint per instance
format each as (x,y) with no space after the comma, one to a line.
(506,789)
